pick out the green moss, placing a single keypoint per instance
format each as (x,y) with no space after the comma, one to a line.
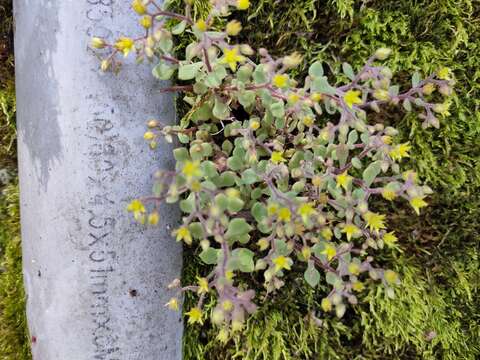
(14,342)
(435,313)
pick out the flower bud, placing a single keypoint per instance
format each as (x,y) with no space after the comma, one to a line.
(383,53)
(233,28)
(148,135)
(98,43)
(152,123)
(246,50)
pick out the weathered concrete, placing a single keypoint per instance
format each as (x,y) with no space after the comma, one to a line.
(96,283)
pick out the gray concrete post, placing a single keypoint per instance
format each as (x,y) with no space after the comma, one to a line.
(96,282)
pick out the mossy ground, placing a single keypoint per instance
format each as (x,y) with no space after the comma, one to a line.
(436,312)
(14,343)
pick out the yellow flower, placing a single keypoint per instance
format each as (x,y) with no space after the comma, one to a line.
(172,304)
(201,25)
(98,43)
(223,336)
(233,28)
(263,244)
(329,251)
(305,211)
(352,97)
(184,234)
(375,221)
(277,157)
(442,109)
(232,193)
(254,124)
(387,139)
(229,274)
(351,230)
(232,57)
(316,97)
(358,286)
(149,135)
(327,233)
(153,218)
(343,180)
(390,276)
(409,174)
(428,89)
(227,305)
(284,214)
(146,21)
(444,73)
(417,203)
(281,262)
(308,121)
(272,209)
(389,238)
(381,94)
(139,7)
(326,305)
(194,316)
(136,206)
(400,151)
(354,268)
(243,4)
(306,252)
(280,80)
(202,285)
(191,169)
(292,60)
(389,194)
(293,98)
(125,45)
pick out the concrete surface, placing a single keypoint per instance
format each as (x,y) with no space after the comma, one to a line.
(95,281)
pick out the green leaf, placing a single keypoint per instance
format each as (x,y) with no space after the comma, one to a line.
(371,172)
(163,71)
(407,105)
(209,169)
(352,137)
(235,163)
(209,256)
(259,211)
(312,276)
(220,109)
(188,205)
(347,70)
(321,85)
(225,179)
(181,154)
(189,71)
(243,260)
(235,205)
(342,154)
(179,28)
(278,109)
(316,69)
(246,98)
(332,278)
(416,79)
(196,229)
(237,227)
(260,75)
(249,177)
